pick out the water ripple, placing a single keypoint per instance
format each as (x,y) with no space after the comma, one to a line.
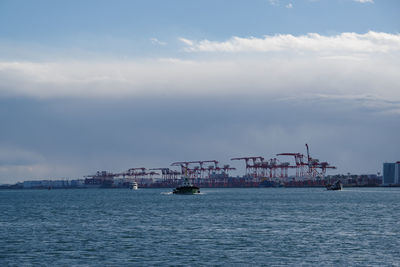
(223,227)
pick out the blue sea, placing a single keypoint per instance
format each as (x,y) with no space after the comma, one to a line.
(219,227)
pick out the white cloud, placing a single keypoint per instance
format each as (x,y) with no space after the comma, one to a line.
(155,41)
(274,2)
(311,65)
(290,5)
(371,42)
(364,1)
(265,75)
(186,41)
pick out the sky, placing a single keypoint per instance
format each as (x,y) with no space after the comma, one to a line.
(111,85)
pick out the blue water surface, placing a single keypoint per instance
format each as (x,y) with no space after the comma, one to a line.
(225,227)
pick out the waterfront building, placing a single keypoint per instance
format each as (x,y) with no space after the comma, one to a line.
(35,184)
(391,173)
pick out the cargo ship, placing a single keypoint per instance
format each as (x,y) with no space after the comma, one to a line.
(98,183)
(101,179)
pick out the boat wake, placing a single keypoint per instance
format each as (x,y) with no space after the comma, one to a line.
(370,191)
(170,193)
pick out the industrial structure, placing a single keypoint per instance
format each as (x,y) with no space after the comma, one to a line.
(276,171)
(302,171)
(209,173)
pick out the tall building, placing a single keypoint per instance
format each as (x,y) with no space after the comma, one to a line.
(391,173)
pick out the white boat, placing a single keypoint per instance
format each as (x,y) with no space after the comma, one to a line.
(134,186)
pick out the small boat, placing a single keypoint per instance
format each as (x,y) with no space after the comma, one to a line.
(336,186)
(187,188)
(134,186)
(269,183)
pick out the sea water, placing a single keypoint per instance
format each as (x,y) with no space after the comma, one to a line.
(225,227)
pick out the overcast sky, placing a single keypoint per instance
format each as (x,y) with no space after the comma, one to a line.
(111,85)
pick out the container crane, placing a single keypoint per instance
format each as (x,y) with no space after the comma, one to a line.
(314,165)
(165,173)
(251,169)
(299,161)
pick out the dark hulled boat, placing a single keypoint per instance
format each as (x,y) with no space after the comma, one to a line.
(186,189)
(336,186)
(269,183)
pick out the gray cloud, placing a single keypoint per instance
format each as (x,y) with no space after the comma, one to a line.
(78,137)
(18,157)
(71,118)
(264,75)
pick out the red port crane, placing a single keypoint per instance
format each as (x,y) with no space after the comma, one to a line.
(197,171)
(299,161)
(251,169)
(309,169)
(314,165)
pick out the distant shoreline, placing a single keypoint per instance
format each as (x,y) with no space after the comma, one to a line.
(2,187)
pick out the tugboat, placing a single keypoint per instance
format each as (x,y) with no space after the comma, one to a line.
(336,186)
(187,188)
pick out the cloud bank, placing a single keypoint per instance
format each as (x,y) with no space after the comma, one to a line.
(345,65)
(244,96)
(371,42)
